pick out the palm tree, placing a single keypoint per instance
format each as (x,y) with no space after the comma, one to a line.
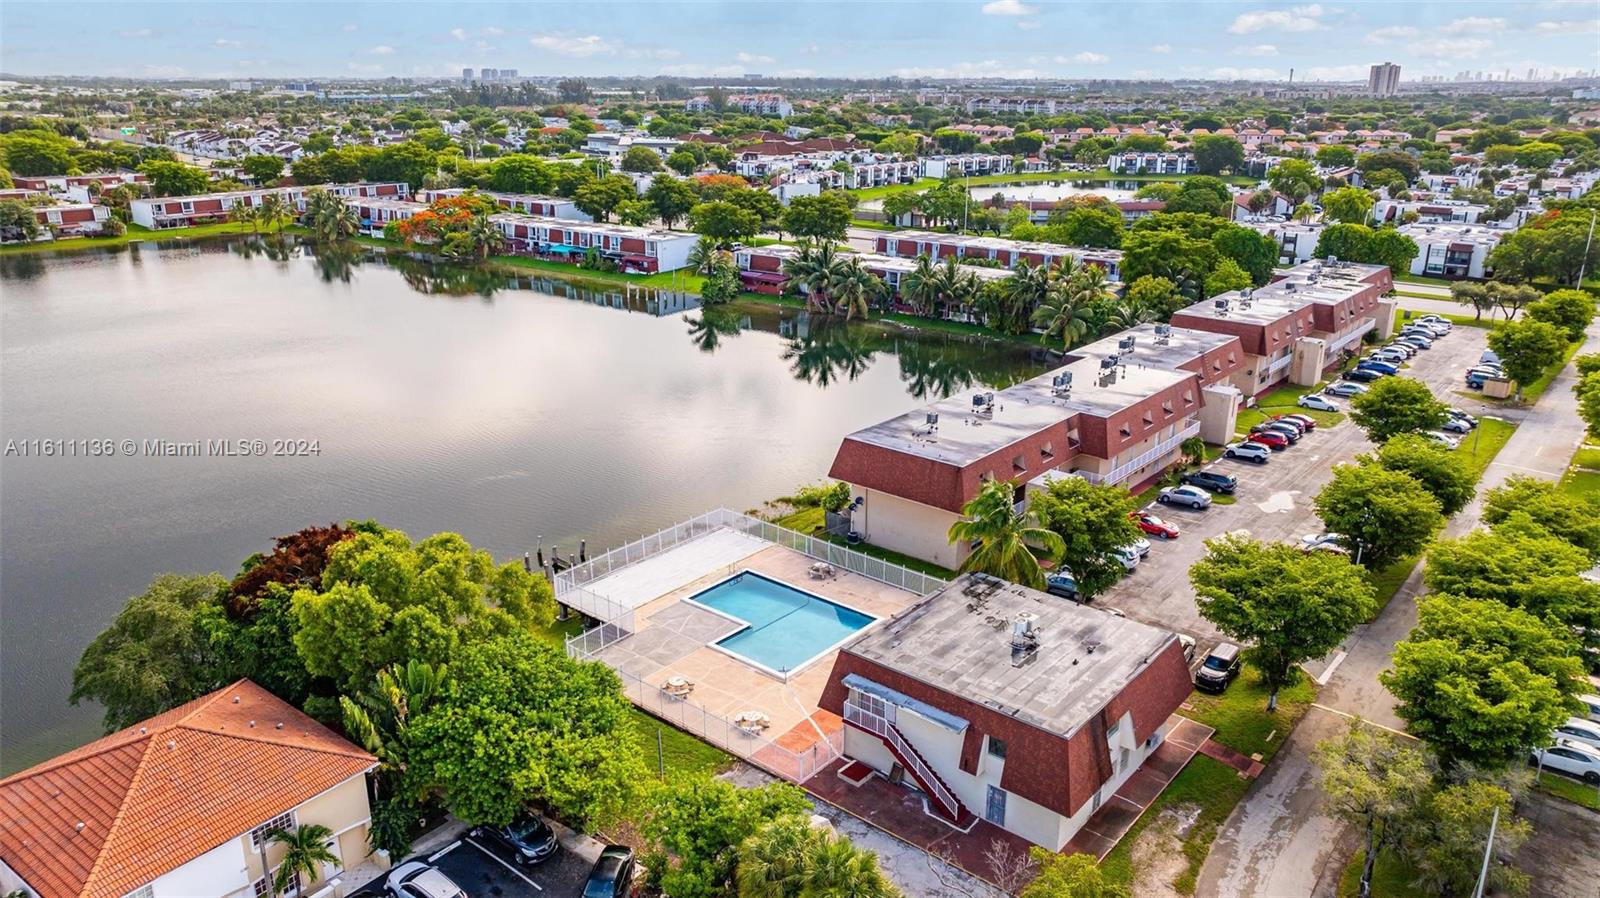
(274,211)
(856,288)
(250,215)
(1128,312)
(485,236)
(772,863)
(955,287)
(305,849)
(1004,536)
(336,221)
(835,868)
(816,271)
(1024,291)
(1060,314)
(703,256)
(918,286)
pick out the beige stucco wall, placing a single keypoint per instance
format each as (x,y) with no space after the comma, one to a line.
(1384,316)
(342,809)
(1310,357)
(1219,415)
(918,530)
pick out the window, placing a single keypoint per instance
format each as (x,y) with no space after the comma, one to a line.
(1047,451)
(997,747)
(1188,397)
(145,891)
(1148,419)
(987,477)
(1166,409)
(282,821)
(1125,430)
(1019,464)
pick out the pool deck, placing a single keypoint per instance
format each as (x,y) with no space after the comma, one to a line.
(673,638)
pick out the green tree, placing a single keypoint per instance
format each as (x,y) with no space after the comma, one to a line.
(1538,154)
(1098,227)
(699,824)
(174,178)
(1201,194)
(1070,306)
(1396,405)
(18,223)
(671,197)
(722,282)
(683,162)
(1526,349)
(1156,294)
(521,173)
(1569,310)
(637,213)
(561,732)
(155,655)
(1254,252)
(772,862)
(1227,276)
(1295,179)
(1335,155)
(1350,205)
(305,850)
(896,205)
(1004,539)
(410,162)
(724,221)
(641,159)
(1476,295)
(1443,473)
(823,217)
(1446,839)
(1573,518)
(265,170)
(1385,514)
(1375,782)
(1394,160)
(1216,153)
(601,197)
(1289,606)
(1070,876)
(1093,521)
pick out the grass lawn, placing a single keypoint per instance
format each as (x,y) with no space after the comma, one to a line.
(1409,278)
(810,521)
(1570,789)
(1391,878)
(1240,714)
(1284,400)
(137,233)
(1536,389)
(1479,447)
(1387,581)
(1587,457)
(1582,484)
(1458,320)
(1215,788)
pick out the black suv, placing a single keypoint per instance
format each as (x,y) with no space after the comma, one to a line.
(529,839)
(1215,481)
(612,876)
(1219,668)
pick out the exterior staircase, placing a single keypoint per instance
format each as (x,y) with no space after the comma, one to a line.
(940,796)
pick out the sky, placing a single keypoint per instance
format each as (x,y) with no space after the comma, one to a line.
(867,38)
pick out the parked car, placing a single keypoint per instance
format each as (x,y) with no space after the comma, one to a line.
(1422,330)
(1438,321)
(1219,668)
(1363,375)
(1390,356)
(1215,481)
(1591,704)
(612,876)
(1063,585)
(1313,542)
(1459,415)
(1442,438)
(1572,758)
(1415,341)
(1277,442)
(1155,526)
(1289,434)
(1403,348)
(1491,370)
(415,879)
(1298,427)
(1488,357)
(1379,365)
(1188,647)
(1319,402)
(527,838)
(1437,328)
(1248,451)
(1192,496)
(1128,555)
(1344,389)
(1455,425)
(1579,730)
(1476,379)
(1305,421)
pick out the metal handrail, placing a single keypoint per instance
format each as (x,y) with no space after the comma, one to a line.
(881,727)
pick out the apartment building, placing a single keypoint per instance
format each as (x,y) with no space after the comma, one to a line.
(1429,211)
(1014,105)
(180,805)
(752,104)
(73,219)
(939,246)
(526,203)
(1296,327)
(1297,241)
(638,250)
(1152,163)
(1452,250)
(182,211)
(1005,703)
(77,186)
(761,268)
(963,165)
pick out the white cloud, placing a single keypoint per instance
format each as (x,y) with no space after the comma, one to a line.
(1008,8)
(165,71)
(749,58)
(349,27)
(653,53)
(1234,73)
(459,34)
(1392,33)
(1474,25)
(1299,18)
(1084,58)
(1581,26)
(1029,24)
(1161,48)
(812,48)
(138,32)
(381,50)
(493,31)
(1256,50)
(225,43)
(566,44)
(1451,47)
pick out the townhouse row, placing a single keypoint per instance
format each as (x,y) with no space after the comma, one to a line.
(1116,411)
(182,211)
(1009,253)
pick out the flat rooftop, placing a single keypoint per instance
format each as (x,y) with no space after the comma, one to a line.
(1307,284)
(997,243)
(1178,347)
(960,642)
(1020,411)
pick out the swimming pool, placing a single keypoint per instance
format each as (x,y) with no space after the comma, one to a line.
(785,628)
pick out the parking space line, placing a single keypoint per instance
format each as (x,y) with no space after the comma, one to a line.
(1328,674)
(1348,716)
(496,858)
(434,858)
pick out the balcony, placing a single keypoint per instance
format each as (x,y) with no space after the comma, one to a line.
(1121,472)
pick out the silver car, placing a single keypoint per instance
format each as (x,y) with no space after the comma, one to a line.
(415,879)
(1192,496)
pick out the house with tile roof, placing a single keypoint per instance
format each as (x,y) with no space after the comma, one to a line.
(180,806)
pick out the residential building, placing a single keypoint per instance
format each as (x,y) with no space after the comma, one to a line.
(1429,211)
(1005,703)
(961,165)
(1297,241)
(1383,80)
(1452,250)
(939,246)
(1014,105)
(761,268)
(181,211)
(753,104)
(1165,163)
(526,203)
(64,183)
(73,219)
(644,250)
(1298,326)
(180,805)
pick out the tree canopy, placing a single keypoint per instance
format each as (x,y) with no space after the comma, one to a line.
(1092,521)
(1385,514)
(1396,405)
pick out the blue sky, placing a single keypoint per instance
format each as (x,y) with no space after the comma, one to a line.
(926,38)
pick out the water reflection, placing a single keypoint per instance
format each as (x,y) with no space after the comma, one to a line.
(714,324)
(827,350)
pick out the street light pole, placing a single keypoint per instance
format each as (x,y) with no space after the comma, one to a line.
(1488,848)
(1583,266)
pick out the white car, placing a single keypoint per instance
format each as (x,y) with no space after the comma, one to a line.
(1249,452)
(1455,425)
(1389,354)
(415,879)
(1316,542)
(1576,729)
(1344,388)
(1128,555)
(1140,545)
(1591,706)
(1443,439)
(1572,758)
(1437,321)
(1318,402)
(1192,496)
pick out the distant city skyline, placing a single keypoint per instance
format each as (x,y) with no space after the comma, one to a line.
(970,39)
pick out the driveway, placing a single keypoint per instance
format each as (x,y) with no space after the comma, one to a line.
(1280,840)
(484,870)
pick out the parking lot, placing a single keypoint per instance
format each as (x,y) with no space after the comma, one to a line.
(485,871)
(1274,500)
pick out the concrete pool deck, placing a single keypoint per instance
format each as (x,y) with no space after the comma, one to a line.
(673,638)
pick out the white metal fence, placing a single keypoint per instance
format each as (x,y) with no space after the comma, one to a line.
(686,715)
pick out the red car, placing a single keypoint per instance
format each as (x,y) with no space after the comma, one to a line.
(1277,442)
(1155,526)
(1306,422)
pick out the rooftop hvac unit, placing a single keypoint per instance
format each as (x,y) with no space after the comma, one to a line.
(1221,305)
(1126,344)
(1109,362)
(933,419)
(1163,330)
(1062,383)
(981,400)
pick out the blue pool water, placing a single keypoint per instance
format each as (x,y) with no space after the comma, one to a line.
(787,627)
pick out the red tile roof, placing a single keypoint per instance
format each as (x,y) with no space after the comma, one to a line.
(110,816)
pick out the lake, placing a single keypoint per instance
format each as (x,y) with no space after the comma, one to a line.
(509,409)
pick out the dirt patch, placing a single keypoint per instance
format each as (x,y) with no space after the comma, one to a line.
(1157,854)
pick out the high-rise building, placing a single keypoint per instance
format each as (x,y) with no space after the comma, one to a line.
(490,74)
(1383,80)
(466,75)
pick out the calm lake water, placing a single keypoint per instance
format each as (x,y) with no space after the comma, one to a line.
(440,399)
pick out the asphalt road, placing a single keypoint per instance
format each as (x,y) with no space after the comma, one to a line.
(1280,841)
